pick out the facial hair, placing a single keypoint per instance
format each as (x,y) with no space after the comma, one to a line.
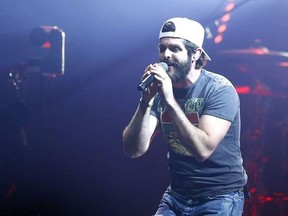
(181,70)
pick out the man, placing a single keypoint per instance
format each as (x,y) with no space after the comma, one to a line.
(199,113)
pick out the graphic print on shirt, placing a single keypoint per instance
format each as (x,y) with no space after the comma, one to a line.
(191,107)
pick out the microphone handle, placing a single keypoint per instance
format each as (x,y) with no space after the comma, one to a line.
(145,83)
(149,79)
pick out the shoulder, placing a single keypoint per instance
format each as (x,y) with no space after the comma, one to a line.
(216,79)
(218,87)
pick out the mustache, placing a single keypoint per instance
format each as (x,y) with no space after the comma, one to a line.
(171,63)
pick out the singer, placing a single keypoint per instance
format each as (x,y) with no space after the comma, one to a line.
(199,113)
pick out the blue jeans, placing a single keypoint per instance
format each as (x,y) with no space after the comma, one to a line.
(173,204)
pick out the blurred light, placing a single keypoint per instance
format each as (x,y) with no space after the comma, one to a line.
(46,45)
(226,17)
(268,199)
(261,89)
(222,28)
(222,22)
(218,39)
(209,34)
(230,7)
(283,64)
(243,89)
(261,51)
(253,190)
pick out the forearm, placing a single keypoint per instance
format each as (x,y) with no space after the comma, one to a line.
(193,138)
(137,134)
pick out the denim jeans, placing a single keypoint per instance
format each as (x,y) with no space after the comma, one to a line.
(173,204)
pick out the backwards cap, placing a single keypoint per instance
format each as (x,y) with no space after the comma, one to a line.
(184,28)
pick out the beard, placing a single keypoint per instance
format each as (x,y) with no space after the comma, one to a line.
(180,70)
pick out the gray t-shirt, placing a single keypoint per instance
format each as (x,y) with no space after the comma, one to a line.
(212,94)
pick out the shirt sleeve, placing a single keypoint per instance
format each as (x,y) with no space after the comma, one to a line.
(223,102)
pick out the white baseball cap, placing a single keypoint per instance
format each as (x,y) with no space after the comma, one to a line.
(184,28)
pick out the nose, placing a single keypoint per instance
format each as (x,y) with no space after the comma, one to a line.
(167,54)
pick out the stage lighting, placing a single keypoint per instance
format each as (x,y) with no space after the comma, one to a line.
(53,39)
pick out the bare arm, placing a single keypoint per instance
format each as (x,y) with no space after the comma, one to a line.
(201,141)
(137,135)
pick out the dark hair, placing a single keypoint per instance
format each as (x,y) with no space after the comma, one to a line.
(191,48)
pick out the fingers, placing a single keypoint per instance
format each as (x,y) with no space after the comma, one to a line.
(159,74)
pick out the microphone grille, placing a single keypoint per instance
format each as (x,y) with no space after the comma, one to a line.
(164,65)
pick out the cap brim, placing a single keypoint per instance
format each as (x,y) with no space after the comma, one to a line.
(207,57)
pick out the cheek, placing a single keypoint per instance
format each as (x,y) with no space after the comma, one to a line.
(161,57)
(185,57)
(181,57)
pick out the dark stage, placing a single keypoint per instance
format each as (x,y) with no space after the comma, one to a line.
(61,119)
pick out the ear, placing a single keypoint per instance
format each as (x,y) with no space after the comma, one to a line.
(197,54)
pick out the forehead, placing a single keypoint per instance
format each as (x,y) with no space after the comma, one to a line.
(171,41)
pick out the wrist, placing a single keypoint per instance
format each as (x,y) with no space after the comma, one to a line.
(145,104)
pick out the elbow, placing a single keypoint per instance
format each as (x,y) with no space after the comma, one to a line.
(132,154)
(203,156)
(128,151)
(133,151)
(132,147)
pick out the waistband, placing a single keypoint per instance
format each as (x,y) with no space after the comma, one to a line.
(206,195)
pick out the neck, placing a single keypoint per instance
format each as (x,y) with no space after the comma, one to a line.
(189,80)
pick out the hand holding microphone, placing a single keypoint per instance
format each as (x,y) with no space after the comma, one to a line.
(150,78)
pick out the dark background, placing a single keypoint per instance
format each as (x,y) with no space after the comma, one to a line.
(61,138)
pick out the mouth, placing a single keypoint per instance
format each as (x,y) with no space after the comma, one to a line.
(170,66)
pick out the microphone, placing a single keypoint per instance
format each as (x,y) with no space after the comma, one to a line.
(150,78)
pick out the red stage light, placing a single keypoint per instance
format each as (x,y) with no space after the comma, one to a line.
(243,89)
(46,45)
